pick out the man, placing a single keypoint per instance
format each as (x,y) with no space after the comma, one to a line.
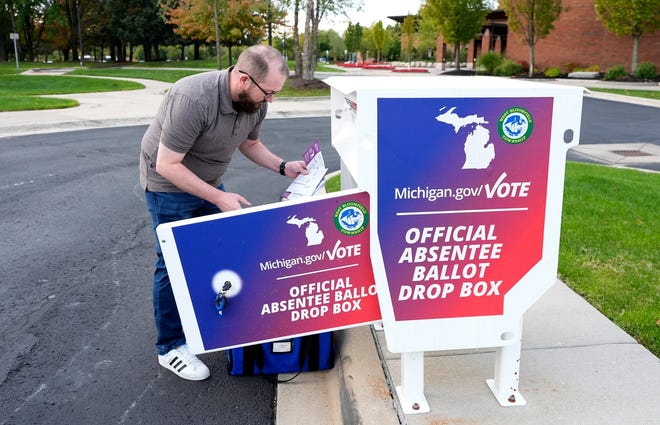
(186,150)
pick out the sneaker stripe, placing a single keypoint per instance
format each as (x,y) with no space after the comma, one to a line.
(184,364)
(178,364)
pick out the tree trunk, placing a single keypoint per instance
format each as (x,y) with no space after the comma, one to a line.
(146,47)
(635,54)
(270,24)
(531,60)
(217,36)
(457,55)
(296,42)
(313,48)
(308,73)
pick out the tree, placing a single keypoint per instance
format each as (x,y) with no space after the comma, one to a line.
(531,21)
(243,23)
(409,28)
(630,18)
(352,38)
(190,21)
(297,51)
(366,43)
(316,10)
(28,18)
(459,21)
(378,35)
(227,22)
(427,39)
(336,43)
(296,4)
(275,16)
(393,42)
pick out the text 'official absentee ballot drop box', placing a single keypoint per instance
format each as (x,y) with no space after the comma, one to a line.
(465,176)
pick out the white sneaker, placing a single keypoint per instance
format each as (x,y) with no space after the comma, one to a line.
(185,364)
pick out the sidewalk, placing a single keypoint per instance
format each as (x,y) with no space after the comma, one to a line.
(137,107)
(576,367)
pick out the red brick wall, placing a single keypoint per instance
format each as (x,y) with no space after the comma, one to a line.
(581,39)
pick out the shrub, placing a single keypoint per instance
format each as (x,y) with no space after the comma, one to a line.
(646,71)
(525,66)
(553,72)
(615,72)
(490,61)
(509,68)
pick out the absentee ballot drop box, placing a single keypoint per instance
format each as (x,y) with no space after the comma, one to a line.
(465,176)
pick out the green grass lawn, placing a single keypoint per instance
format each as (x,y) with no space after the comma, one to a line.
(166,75)
(609,245)
(25,85)
(172,75)
(34,103)
(161,71)
(22,92)
(648,94)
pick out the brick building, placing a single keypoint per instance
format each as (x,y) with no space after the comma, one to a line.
(579,39)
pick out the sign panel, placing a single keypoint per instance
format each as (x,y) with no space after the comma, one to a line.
(272,272)
(464,223)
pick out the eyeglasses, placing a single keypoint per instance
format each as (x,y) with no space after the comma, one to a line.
(266,94)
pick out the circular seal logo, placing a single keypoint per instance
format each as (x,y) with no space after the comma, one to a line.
(515,125)
(351,218)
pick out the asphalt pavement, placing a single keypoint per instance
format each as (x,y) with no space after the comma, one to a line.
(576,366)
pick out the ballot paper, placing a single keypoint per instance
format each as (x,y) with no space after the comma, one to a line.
(308,184)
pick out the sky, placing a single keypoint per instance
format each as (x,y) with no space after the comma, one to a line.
(372,12)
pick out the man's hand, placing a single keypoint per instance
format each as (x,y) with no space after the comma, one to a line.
(228,201)
(293,168)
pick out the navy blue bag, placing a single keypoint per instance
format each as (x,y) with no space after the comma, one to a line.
(295,355)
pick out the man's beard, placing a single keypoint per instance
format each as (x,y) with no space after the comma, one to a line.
(244,104)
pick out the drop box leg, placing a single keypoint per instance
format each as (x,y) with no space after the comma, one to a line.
(411,390)
(507,373)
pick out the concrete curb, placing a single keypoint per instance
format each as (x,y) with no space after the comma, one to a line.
(623,99)
(41,128)
(355,391)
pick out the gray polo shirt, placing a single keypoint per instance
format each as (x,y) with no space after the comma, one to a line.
(197,118)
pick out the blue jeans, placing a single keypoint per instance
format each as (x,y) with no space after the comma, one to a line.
(165,207)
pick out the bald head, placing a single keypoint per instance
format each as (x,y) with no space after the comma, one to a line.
(259,60)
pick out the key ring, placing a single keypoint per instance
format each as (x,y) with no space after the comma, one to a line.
(221,300)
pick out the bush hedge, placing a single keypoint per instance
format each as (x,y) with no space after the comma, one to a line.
(490,61)
(553,72)
(646,71)
(615,72)
(508,68)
